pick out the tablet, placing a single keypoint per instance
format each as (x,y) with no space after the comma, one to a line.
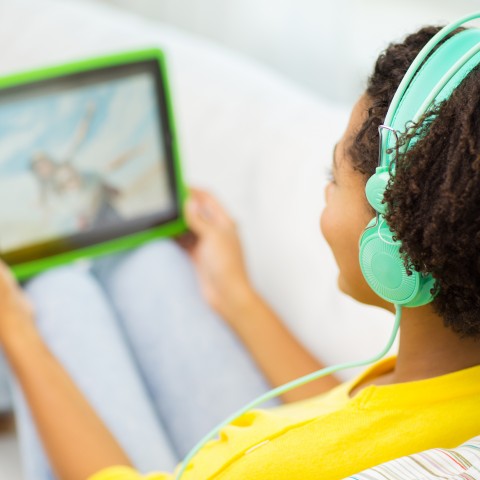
(89,161)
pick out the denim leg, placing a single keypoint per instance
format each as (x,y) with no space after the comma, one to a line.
(80,329)
(5,393)
(195,368)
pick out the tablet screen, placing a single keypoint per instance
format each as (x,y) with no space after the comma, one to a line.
(84,158)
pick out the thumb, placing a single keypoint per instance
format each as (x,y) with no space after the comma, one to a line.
(197,216)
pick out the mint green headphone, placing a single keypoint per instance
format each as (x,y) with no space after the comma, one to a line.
(422,85)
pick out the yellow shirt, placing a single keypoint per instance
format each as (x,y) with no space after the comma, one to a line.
(333,436)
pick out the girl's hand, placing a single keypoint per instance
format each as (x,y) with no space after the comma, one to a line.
(15,309)
(216,252)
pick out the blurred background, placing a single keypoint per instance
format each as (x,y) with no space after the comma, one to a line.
(326,46)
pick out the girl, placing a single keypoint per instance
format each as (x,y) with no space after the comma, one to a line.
(427,396)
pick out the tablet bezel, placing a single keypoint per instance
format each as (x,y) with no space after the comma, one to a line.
(173,226)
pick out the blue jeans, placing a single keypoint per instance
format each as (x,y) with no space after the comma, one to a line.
(157,364)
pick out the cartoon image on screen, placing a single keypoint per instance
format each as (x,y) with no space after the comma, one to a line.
(80,159)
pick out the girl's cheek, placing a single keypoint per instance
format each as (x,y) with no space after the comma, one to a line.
(328,191)
(325,217)
(326,223)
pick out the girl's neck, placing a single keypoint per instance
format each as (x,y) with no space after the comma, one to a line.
(428,349)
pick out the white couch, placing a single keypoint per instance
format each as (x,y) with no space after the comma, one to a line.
(257,141)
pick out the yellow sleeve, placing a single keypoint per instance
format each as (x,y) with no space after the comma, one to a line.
(126,473)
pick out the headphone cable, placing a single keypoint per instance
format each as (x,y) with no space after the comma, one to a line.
(290,386)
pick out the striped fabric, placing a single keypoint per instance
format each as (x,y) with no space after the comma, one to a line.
(462,463)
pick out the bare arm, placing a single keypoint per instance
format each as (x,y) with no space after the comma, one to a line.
(278,353)
(77,442)
(217,255)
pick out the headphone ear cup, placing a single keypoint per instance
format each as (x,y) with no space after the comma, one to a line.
(383,267)
(375,189)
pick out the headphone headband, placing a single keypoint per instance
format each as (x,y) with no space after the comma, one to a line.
(431,79)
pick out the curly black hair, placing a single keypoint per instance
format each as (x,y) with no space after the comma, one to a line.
(434,198)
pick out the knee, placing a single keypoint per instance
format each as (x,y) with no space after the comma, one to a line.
(162,253)
(68,274)
(167,249)
(69,305)
(60,284)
